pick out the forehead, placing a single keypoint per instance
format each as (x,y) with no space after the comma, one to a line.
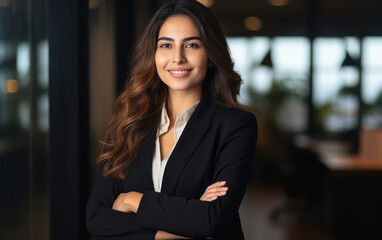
(178,25)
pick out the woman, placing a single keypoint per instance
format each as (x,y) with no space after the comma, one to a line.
(176,156)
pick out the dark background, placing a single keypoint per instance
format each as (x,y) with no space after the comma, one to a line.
(63,62)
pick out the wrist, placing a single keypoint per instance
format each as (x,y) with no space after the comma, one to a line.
(132,201)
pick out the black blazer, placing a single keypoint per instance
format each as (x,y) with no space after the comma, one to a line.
(218,143)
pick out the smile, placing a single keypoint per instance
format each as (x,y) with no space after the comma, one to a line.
(179,73)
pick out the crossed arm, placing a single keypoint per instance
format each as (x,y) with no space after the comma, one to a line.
(129,203)
(210,215)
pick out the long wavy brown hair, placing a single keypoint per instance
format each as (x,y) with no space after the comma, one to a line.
(137,109)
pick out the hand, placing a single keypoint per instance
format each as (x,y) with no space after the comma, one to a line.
(128,202)
(162,235)
(214,191)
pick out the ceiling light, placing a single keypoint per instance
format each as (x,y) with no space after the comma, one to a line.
(4,3)
(11,86)
(94,4)
(279,3)
(253,23)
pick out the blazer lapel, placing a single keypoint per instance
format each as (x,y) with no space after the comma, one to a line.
(193,133)
(145,162)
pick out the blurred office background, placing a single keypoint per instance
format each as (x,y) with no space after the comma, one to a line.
(312,71)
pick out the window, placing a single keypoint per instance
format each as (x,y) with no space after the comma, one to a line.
(346,73)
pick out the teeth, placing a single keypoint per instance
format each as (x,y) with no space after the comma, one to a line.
(179,72)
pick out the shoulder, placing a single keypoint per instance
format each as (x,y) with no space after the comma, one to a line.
(234,115)
(222,117)
(230,120)
(234,125)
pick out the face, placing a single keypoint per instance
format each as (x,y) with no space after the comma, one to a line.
(180,57)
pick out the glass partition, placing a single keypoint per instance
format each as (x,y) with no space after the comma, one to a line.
(372,82)
(346,77)
(24,120)
(275,77)
(336,84)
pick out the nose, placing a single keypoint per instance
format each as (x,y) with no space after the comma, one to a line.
(179,56)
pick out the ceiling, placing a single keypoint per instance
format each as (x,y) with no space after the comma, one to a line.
(301,17)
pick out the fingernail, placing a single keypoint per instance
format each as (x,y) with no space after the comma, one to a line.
(224,188)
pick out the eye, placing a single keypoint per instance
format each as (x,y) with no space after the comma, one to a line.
(192,45)
(165,45)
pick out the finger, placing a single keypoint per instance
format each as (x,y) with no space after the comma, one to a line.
(210,196)
(217,189)
(220,193)
(211,199)
(214,195)
(220,183)
(217,184)
(214,190)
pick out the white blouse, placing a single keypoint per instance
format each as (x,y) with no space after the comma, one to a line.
(180,123)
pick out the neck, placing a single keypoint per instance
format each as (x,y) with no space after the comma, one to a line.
(178,102)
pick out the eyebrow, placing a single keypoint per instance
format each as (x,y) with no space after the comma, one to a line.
(184,40)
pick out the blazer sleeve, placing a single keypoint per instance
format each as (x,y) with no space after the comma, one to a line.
(105,223)
(198,219)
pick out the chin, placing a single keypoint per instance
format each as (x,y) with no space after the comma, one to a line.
(178,87)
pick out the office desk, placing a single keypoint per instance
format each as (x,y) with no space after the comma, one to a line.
(352,194)
(340,164)
(351,188)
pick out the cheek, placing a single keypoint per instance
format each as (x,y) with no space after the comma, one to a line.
(160,60)
(157,61)
(159,65)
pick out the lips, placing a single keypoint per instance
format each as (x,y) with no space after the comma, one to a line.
(179,72)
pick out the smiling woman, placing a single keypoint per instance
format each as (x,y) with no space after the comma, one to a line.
(178,139)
